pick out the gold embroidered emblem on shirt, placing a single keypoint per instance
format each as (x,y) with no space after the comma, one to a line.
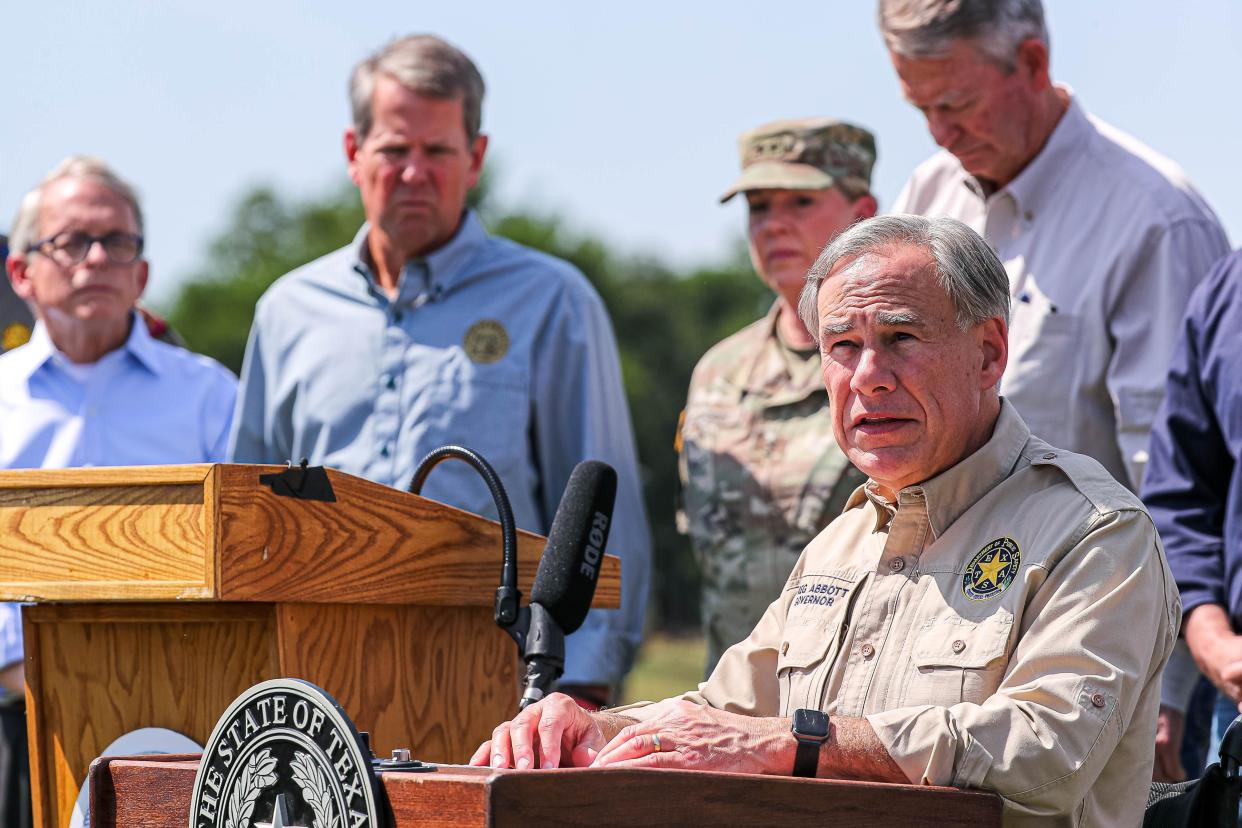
(486,341)
(992,569)
(15,335)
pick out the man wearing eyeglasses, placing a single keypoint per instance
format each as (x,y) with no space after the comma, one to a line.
(91,387)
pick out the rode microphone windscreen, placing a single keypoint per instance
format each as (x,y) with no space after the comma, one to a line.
(569,569)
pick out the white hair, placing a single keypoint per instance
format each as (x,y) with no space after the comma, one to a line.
(26,225)
(966,266)
(928,28)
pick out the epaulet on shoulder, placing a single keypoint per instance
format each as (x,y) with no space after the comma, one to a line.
(1085,474)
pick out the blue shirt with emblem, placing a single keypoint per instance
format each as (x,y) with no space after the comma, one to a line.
(487,344)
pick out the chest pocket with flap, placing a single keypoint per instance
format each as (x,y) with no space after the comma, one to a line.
(805,657)
(957,660)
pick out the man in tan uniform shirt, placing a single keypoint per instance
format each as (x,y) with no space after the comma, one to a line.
(989,612)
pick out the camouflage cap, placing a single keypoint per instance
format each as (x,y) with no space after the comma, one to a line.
(804,154)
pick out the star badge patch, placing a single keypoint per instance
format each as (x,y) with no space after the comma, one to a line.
(992,569)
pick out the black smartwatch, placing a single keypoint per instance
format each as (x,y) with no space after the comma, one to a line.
(810,728)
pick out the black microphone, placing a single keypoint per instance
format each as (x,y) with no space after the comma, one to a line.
(567,575)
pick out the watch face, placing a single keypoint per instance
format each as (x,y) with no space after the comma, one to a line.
(812,723)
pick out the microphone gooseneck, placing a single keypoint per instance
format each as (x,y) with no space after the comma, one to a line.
(507,595)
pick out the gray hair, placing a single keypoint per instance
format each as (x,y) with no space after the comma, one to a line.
(26,225)
(968,270)
(928,28)
(424,64)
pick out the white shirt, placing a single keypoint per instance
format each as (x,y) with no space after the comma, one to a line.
(1103,240)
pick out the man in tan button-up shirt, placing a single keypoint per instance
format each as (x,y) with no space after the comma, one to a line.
(988,612)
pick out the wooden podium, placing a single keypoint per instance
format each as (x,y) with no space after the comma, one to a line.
(163,592)
(154,792)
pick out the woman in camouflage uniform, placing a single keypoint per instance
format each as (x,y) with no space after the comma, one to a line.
(761,472)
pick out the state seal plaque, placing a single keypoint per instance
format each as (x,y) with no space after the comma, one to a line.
(285,754)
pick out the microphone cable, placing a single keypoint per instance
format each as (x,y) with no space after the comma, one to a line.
(507,595)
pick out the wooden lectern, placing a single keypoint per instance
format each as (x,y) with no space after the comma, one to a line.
(155,793)
(163,592)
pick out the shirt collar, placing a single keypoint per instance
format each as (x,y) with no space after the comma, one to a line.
(949,494)
(1040,178)
(439,271)
(1032,187)
(40,349)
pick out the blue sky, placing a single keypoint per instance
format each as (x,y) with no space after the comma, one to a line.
(622,117)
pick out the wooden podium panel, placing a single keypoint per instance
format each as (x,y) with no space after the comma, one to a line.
(166,591)
(132,792)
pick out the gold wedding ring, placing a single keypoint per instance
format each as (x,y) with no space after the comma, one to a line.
(655,741)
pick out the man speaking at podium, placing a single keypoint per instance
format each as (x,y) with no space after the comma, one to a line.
(989,611)
(427,331)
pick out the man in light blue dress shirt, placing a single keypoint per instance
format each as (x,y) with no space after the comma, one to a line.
(92,387)
(426,331)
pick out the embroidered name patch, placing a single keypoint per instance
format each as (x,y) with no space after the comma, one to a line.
(992,569)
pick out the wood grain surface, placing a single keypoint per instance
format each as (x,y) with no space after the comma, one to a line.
(129,788)
(214,532)
(375,545)
(434,679)
(90,681)
(89,542)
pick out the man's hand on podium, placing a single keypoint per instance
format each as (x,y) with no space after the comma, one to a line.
(556,732)
(552,733)
(701,737)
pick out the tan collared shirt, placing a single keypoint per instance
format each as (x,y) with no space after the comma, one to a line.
(1002,626)
(1104,240)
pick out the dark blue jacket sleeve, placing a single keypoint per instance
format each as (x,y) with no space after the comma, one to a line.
(1186,484)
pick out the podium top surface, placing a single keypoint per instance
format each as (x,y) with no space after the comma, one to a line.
(154,792)
(214,532)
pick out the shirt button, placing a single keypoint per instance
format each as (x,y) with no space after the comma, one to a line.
(396,316)
(1050,456)
(867,651)
(897,564)
(959,645)
(1097,699)
(384,451)
(392,382)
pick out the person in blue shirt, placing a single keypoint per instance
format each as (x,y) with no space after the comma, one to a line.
(91,386)
(1193,490)
(426,331)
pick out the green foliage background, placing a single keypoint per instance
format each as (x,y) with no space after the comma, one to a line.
(665,319)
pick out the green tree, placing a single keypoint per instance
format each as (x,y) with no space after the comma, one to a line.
(664,319)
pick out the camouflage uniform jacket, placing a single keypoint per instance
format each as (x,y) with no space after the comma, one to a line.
(761,474)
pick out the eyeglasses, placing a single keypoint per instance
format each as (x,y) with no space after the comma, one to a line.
(70,248)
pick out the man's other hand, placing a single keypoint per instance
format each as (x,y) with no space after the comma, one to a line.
(1216,648)
(552,733)
(700,737)
(1170,727)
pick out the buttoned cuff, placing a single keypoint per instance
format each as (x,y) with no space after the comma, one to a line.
(927,745)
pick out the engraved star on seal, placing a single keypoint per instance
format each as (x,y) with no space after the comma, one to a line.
(280,816)
(990,569)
